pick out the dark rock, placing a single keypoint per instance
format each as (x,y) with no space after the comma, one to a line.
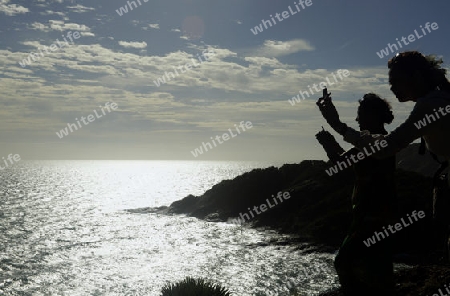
(318,211)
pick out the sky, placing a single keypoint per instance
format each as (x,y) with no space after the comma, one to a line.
(223,72)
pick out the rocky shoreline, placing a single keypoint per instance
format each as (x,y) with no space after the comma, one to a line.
(318,211)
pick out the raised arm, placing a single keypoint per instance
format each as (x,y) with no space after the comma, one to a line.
(330,145)
(412,129)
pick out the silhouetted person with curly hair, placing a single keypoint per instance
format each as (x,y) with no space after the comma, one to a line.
(420,79)
(362,269)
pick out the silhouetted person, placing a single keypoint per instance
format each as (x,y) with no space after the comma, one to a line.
(362,269)
(421,79)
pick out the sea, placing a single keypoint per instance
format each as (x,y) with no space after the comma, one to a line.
(75,228)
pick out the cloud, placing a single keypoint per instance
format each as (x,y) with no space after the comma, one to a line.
(40,27)
(233,88)
(125,44)
(154,26)
(12,9)
(51,12)
(80,8)
(272,48)
(56,25)
(61,26)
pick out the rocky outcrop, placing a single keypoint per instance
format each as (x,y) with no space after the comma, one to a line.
(318,211)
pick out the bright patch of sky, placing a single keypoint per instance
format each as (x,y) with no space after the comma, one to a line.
(49,80)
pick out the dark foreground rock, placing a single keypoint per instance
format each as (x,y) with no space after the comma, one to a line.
(318,210)
(428,280)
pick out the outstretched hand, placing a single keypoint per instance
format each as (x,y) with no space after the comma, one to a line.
(330,145)
(329,111)
(324,137)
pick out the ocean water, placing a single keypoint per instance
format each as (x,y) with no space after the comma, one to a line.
(65,230)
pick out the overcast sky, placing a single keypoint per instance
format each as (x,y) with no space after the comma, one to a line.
(247,77)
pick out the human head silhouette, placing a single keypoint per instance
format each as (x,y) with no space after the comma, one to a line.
(373,113)
(413,75)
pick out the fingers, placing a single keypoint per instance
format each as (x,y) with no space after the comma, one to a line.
(324,102)
(320,105)
(326,98)
(319,101)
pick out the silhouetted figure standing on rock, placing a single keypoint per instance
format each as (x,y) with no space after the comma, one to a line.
(421,79)
(367,270)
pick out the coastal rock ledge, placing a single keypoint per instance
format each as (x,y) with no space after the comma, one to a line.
(318,211)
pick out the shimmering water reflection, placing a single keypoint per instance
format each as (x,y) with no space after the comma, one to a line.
(65,231)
